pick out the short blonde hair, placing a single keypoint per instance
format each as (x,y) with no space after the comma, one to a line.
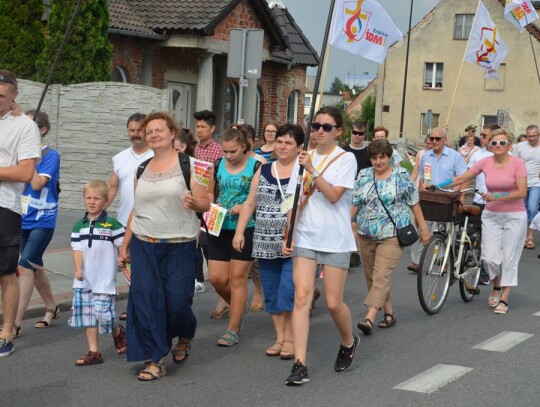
(509,135)
(98,185)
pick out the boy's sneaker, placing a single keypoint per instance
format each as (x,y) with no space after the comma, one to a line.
(6,347)
(346,355)
(199,287)
(299,375)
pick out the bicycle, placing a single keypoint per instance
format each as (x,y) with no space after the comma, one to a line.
(453,252)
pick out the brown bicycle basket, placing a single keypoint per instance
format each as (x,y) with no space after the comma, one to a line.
(439,206)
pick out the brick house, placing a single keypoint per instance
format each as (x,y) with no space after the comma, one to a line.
(182,45)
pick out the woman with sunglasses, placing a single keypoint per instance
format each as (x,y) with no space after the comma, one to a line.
(323,235)
(504,219)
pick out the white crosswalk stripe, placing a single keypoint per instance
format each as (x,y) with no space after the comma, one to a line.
(537,314)
(504,341)
(433,379)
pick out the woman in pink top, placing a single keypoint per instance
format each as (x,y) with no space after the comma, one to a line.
(504,219)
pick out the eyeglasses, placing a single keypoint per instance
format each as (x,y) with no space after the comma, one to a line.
(270,131)
(499,143)
(5,79)
(327,127)
(436,138)
(358,133)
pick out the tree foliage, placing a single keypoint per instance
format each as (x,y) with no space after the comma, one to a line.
(368,112)
(88,52)
(21,36)
(336,86)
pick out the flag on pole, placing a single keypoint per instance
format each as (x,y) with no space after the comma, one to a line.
(520,13)
(486,48)
(362,27)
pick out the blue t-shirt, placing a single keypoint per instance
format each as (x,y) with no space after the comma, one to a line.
(233,190)
(40,208)
(265,154)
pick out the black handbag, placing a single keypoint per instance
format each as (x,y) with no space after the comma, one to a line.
(407,235)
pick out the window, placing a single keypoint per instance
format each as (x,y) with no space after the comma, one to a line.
(433,75)
(489,119)
(423,127)
(462,26)
(120,74)
(307,101)
(229,110)
(292,107)
(491,84)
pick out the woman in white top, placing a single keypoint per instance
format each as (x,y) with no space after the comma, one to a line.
(161,241)
(323,236)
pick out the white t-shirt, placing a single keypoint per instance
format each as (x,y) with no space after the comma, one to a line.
(531,156)
(323,226)
(19,140)
(125,166)
(480,178)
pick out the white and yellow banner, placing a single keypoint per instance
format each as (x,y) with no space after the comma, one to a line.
(486,48)
(520,13)
(363,27)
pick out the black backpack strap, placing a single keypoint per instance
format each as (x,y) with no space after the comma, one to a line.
(141,167)
(256,166)
(185,166)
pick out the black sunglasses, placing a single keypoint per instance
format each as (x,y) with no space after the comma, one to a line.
(5,79)
(435,138)
(327,127)
(358,133)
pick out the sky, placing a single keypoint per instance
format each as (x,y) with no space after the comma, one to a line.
(311,16)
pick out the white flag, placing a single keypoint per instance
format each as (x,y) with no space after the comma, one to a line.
(362,27)
(520,13)
(486,47)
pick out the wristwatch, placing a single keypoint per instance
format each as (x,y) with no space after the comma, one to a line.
(315,174)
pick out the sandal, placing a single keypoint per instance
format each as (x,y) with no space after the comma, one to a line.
(16,331)
(120,340)
(366,326)
(501,308)
(275,349)
(55,315)
(388,320)
(181,351)
(91,358)
(215,314)
(147,375)
(529,244)
(287,352)
(228,339)
(493,301)
(123,316)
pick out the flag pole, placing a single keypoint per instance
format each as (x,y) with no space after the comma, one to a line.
(310,121)
(327,58)
(402,120)
(461,68)
(57,58)
(533,51)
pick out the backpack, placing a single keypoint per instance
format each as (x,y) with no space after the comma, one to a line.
(216,183)
(46,151)
(185,166)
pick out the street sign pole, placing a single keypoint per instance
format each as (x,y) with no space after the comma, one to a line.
(240,116)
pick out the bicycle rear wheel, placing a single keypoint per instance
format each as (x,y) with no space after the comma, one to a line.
(470,283)
(434,282)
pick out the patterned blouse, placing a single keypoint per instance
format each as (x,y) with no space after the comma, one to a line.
(269,221)
(397,192)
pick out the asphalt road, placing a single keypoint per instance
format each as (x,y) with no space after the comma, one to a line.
(41,372)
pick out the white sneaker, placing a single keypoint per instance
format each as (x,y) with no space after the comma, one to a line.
(199,287)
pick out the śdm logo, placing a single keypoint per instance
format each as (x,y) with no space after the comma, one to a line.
(357,25)
(488,51)
(356,21)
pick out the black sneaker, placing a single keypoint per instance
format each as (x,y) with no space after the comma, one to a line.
(299,375)
(346,355)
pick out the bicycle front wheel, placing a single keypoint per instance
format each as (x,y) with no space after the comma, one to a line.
(468,284)
(433,280)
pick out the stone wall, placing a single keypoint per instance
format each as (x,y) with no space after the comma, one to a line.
(88,127)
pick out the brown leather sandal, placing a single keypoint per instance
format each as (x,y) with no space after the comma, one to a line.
(181,351)
(275,349)
(147,375)
(287,352)
(91,358)
(120,340)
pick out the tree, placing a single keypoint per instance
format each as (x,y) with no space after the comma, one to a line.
(21,36)
(368,111)
(336,86)
(88,53)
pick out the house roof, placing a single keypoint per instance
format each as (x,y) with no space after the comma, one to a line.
(201,17)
